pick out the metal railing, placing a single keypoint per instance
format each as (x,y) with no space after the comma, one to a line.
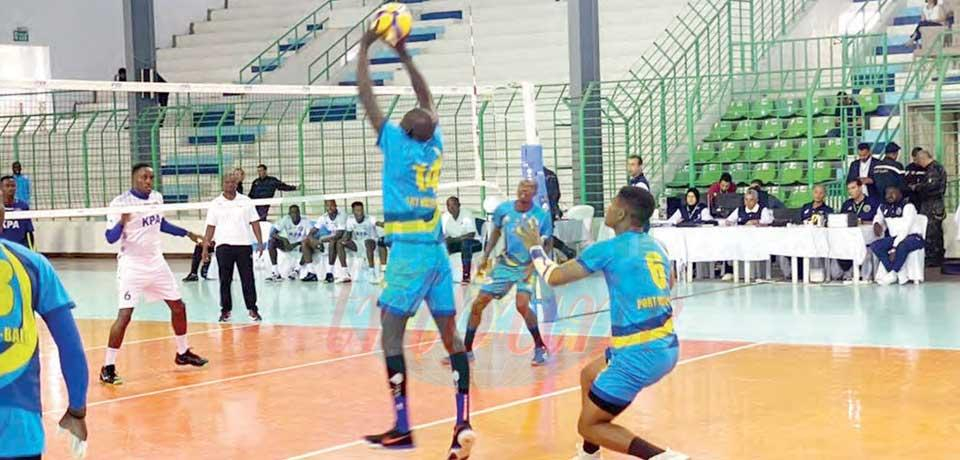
(289,42)
(338,52)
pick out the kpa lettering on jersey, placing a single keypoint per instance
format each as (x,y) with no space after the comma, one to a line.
(11,225)
(151,220)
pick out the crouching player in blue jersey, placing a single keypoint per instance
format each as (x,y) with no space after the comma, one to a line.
(29,286)
(643,347)
(419,269)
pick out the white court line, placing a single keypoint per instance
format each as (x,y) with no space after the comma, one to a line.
(238,377)
(518,402)
(167,337)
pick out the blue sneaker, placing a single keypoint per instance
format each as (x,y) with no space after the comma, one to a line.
(540,356)
(446,359)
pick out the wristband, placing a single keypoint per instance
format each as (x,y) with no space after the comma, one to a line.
(542,263)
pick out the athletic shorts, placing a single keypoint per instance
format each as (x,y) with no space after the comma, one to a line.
(504,276)
(151,281)
(628,372)
(418,272)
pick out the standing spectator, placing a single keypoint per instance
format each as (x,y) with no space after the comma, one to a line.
(21,230)
(929,192)
(121,74)
(265,186)
(23,183)
(229,222)
(913,175)
(240,176)
(888,171)
(862,168)
(460,234)
(553,197)
(196,260)
(725,185)
(635,168)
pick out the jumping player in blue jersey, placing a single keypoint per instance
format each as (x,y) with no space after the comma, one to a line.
(29,286)
(419,269)
(643,346)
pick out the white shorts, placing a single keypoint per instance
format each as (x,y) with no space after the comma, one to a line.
(151,281)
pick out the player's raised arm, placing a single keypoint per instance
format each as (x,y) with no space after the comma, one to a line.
(420,87)
(365,84)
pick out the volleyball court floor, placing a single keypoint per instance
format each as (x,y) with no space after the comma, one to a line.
(767,371)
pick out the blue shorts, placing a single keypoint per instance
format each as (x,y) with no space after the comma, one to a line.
(504,276)
(628,372)
(418,272)
(22,433)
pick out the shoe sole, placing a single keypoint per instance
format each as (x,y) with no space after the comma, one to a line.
(190,364)
(466,439)
(115,383)
(376,446)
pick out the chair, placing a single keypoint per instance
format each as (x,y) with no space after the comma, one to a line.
(740,173)
(787,108)
(770,129)
(833,149)
(796,127)
(822,172)
(755,151)
(705,153)
(913,269)
(799,197)
(720,131)
(765,172)
(709,175)
(737,110)
(779,192)
(584,214)
(762,108)
(729,152)
(823,125)
(823,105)
(745,130)
(869,100)
(803,152)
(681,179)
(781,150)
(792,173)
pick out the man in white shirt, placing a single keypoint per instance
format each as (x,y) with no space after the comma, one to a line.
(327,230)
(460,234)
(862,168)
(907,240)
(230,220)
(142,270)
(751,212)
(286,235)
(361,231)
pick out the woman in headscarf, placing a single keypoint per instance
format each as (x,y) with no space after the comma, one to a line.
(692,211)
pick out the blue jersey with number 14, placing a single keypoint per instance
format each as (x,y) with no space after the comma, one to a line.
(637,273)
(411,174)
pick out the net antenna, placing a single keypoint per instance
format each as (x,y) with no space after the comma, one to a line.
(69,106)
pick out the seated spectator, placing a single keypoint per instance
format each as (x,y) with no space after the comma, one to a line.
(933,14)
(901,245)
(287,235)
(460,234)
(865,208)
(766,200)
(862,168)
(817,210)
(327,230)
(751,212)
(725,185)
(692,211)
(361,231)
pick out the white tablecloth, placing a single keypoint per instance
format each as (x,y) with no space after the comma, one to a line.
(706,244)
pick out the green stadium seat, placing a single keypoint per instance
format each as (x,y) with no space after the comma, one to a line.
(823,171)
(779,192)
(799,197)
(740,172)
(823,125)
(762,108)
(705,153)
(791,173)
(730,152)
(787,108)
(781,150)
(819,107)
(738,110)
(832,150)
(755,151)
(681,179)
(802,153)
(770,129)
(765,172)
(745,130)
(709,175)
(720,131)
(796,127)
(869,100)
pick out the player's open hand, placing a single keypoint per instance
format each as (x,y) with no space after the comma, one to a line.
(76,428)
(124,218)
(529,233)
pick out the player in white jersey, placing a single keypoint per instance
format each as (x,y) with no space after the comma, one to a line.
(361,231)
(328,229)
(142,270)
(287,235)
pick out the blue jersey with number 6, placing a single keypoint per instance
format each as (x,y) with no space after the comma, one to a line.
(411,174)
(637,273)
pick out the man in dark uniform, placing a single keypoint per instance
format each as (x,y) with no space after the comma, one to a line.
(635,168)
(901,245)
(553,197)
(913,174)
(864,207)
(888,171)
(928,194)
(817,207)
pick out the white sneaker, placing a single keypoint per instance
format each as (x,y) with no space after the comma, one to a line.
(671,455)
(373,277)
(345,278)
(887,279)
(727,277)
(581,455)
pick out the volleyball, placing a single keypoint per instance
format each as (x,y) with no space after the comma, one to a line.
(392,22)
